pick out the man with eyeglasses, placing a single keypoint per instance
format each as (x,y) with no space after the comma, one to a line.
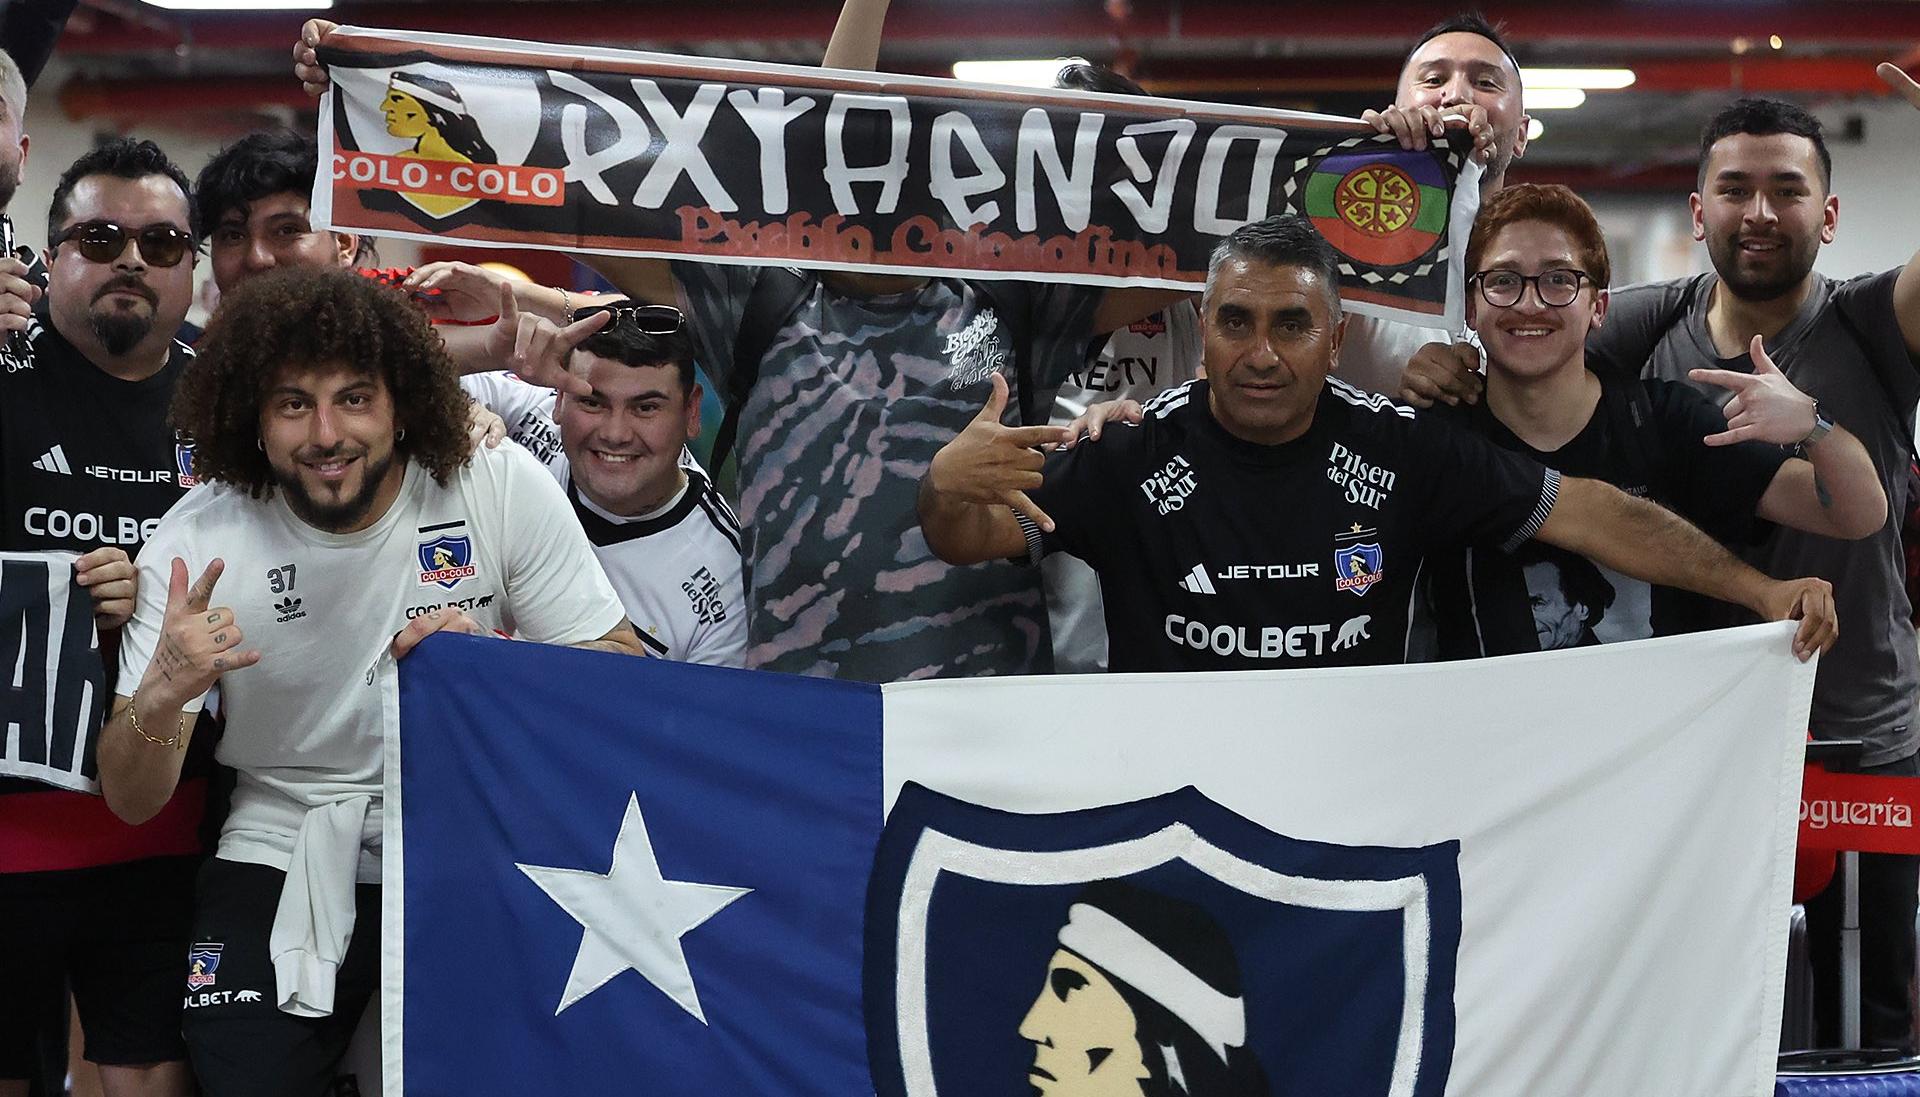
(1538,289)
(1270,516)
(90,465)
(667,539)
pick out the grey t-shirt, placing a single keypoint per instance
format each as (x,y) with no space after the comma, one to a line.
(1845,349)
(853,399)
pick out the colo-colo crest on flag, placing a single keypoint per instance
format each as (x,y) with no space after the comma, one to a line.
(486,142)
(1164,946)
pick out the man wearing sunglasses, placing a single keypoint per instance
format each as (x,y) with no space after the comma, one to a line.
(90,465)
(667,539)
(1538,289)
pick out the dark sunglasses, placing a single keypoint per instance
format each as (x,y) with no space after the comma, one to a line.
(105,241)
(646,319)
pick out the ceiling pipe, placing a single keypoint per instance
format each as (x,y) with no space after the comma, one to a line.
(1696,25)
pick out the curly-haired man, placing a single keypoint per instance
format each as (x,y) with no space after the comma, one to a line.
(355,521)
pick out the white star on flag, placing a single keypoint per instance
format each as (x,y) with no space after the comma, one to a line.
(632,917)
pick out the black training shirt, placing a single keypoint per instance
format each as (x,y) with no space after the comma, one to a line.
(1215,553)
(1648,443)
(90,460)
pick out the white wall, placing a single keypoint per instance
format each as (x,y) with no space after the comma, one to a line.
(1877,179)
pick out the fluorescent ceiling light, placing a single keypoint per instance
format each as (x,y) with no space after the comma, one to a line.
(1535,127)
(242,5)
(1552,98)
(1589,79)
(1032,73)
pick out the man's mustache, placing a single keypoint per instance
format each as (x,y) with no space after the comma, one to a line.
(127,284)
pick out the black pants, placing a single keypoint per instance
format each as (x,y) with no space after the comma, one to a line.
(1888,887)
(241,1044)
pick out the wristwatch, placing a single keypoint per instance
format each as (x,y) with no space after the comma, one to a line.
(1822,426)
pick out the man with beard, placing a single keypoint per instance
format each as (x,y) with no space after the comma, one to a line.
(90,465)
(1764,206)
(355,519)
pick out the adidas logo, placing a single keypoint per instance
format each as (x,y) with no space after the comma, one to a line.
(53,461)
(289,610)
(1197,581)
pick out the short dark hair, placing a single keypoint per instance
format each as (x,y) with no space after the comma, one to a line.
(1283,240)
(628,345)
(260,165)
(122,158)
(256,166)
(1087,76)
(305,317)
(1764,118)
(1466,22)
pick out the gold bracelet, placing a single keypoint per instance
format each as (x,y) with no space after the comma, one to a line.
(177,741)
(566,306)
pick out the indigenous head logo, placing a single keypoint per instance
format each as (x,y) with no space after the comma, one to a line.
(430,113)
(1143,991)
(1165,948)
(1357,560)
(434,140)
(183,464)
(203,961)
(1380,207)
(446,561)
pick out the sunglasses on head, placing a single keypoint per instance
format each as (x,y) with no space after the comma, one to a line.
(647,319)
(105,241)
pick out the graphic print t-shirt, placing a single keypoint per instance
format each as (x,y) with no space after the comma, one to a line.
(1215,553)
(852,401)
(1542,598)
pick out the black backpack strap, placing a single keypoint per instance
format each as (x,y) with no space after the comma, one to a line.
(775,294)
(1017,323)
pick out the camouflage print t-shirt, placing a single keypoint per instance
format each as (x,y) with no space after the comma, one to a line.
(852,400)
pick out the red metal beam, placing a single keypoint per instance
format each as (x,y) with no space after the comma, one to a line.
(137,100)
(1893,27)
(1754,74)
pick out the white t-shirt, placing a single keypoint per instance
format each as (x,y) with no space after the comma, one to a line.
(1375,352)
(305,726)
(527,409)
(677,570)
(1137,362)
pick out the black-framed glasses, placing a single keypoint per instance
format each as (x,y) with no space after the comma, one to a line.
(647,319)
(105,241)
(1556,288)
